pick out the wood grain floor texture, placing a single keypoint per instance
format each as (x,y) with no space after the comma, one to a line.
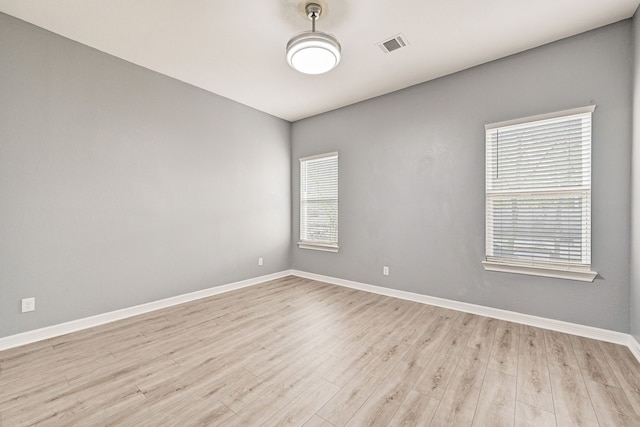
(298,352)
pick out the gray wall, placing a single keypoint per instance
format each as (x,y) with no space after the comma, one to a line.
(412,179)
(635,185)
(120,186)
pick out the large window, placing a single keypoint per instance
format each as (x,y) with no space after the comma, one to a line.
(319,202)
(538,195)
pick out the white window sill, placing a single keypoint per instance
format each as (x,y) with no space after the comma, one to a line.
(580,275)
(326,247)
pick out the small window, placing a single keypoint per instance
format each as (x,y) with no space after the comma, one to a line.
(319,202)
(538,195)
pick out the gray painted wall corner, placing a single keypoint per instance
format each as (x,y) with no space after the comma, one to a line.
(121,186)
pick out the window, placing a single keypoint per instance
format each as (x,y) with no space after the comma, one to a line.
(538,195)
(319,202)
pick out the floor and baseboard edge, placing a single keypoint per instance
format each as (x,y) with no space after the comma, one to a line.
(634,346)
(511,316)
(29,337)
(35,335)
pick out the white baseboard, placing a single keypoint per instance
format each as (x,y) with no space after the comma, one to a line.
(634,346)
(511,316)
(88,322)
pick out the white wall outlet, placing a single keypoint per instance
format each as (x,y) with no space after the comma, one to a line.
(260,261)
(28,304)
(385,270)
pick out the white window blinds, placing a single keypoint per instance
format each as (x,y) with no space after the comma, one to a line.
(319,202)
(538,195)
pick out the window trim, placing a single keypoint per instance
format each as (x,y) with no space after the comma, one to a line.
(309,244)
(579,273)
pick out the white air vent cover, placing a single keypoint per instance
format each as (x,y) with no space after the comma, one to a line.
(394,43)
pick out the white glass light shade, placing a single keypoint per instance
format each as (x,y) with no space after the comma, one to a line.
(313,52)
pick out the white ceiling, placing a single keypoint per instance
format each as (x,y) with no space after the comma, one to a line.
(236,48)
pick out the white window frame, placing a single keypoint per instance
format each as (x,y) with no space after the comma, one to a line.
(580,271)
(305,242)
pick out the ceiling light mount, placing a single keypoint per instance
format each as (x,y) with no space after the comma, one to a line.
(313,52)
(314,10)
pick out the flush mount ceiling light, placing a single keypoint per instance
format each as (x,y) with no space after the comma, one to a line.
(313,52)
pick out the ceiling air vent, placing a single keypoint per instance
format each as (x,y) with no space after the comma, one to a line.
(394,43)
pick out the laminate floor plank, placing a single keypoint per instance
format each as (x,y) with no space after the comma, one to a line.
(301,409)
(40,418)
(363,336)
(416,410)
(459,401)
(295,351)
(348,400)
(398,330)
(224,349)
(200,412)
(243,393)
(483,337)
(497,401)
(431,336)
(106,410)
(441,368)
(266,358)
(360,330)
(611,405)
(531,416)
(95,395)
(386,399)
(504,355)
(316,421)
(39,391)
(294,373)
(351,365)
(259,411)
(24,381)
(593,364)
(570,397)
(305,375)
(625,368)
(534,384)
(422,319)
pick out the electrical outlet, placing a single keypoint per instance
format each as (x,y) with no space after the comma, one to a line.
(28,304)
(260,261)
(385,270)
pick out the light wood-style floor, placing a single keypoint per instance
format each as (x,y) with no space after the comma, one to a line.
(304,353)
